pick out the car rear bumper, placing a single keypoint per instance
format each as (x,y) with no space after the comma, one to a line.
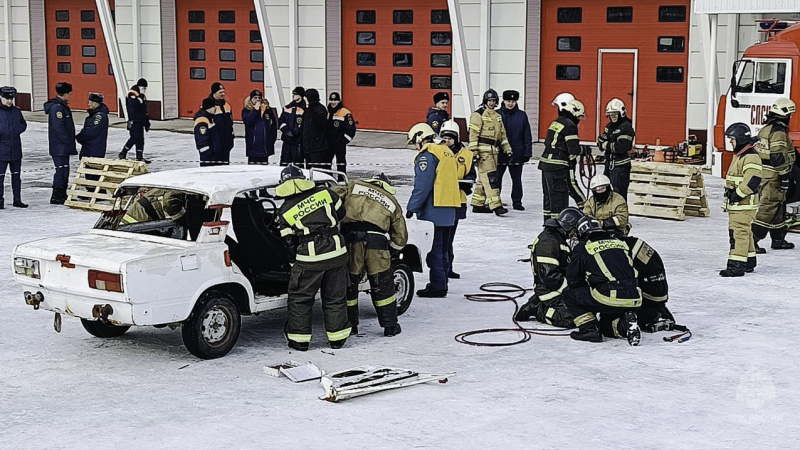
(121,312)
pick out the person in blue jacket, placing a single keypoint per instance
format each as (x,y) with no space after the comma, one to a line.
(518,133)
(138,120)
(12,125)
(94,134)
(437,114)
(206,134)
(289,123)
(260,128)
(223,120)
(61,139)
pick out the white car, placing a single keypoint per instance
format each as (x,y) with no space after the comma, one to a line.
(200,271)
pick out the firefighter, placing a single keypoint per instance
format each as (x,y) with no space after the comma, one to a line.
(94,134)
(777,159)
(61,139)
(608,207)
(206,134)
(138,120)
(550,257)
(223,122)
(486,135)
(309,220)
(741,200)
(601,279)
(652,280)
(373,213)
(156,204)
(450,134)
(289,123)
(518,132)
(437,114)
(341,130)
(617,141)
(561,145)
(260,128)
(575,191)
(12,125)
(435,198)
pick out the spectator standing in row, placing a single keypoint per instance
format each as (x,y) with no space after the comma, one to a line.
(289,123)
(518,133)
(341,130)
(12,125)
(314,132)
(61,139)
(223,120)
(260,128)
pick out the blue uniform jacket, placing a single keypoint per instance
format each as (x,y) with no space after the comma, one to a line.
(260,132)
(290,122)
(12,125)
(206,137)
(94,134)
(421,201)
(136,109)
(518,133)
(436,117)
(60,128)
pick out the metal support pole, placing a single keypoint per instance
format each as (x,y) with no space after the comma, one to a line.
(294,72)
(270,62)
(460,56)
(713,83)
(107,23)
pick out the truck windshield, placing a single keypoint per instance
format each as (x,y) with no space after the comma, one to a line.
(763,77)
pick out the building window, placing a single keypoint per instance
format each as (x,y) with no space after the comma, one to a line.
(441,38)
(63,67)
(403,17)
(227,74)
(89,68)
(257,56)
(669,74)
(365,79)
(62,16)
(197,73)
(365,17)
(197,17)
(62,33)
(227,17)
(227,55)
(671,44)
(257,76)
(440,17)
(570,15)
(672,13)
(365,59)
(227,36)
(568,44)
(253,17)
(197,54)
(441,82)
(197,35)
(403,38)
(87,16)
(365,38)
(89,51)
(402,81)
(255,37)
(87,33)
(63,50)
(571,73)
(403,60)
(619,14)
(441,60)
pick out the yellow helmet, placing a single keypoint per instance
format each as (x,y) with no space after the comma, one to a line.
(783,107)
(615,105)
(420,132)
(576,108)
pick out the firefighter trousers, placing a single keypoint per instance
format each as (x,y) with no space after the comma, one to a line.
(377,263)
(329,278)
(771,216)
(574,190)
(487,189)
(584,307)
(743,247)
(620,176)
(555,189)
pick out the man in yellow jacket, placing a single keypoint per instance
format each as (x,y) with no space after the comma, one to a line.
(608,207)
(486,135)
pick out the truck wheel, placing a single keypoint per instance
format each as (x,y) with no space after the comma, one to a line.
(103,330)
(212,329)
(403,287)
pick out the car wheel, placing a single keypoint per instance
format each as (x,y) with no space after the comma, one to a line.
(403,287)
(212,329)
(103,330)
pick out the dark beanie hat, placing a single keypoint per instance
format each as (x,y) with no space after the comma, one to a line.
(142,82)
(312,95)
(510,95)
(216,87)
(256,93)
(96,97)
(299,90)
(208,103)
(135,88)
(335,97)
(63,88)
(439,96)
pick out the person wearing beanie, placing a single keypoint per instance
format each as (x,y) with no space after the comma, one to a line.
(138,120)
(61,138)
(314,132)
(290,123)
(223,119)
(94,134)
(12,125)
(260,128)
(206,134)
(341,130)
(437,114)
(518,133)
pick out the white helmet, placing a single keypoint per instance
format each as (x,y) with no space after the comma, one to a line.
(562,99)
(576,108)
(783,107)
(599,181)
(451,128)
(616,105)
(419,133)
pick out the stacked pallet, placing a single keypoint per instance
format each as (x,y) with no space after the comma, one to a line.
(95,193)
(667,191)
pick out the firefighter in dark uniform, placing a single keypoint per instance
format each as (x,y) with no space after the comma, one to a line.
(341,130)
(777,159)
(61,137)
(206,134)
(372,213)
(94,134)
(561,145)
(487,135)
(223,122)
(617,141)
(607,207)
(601,280)
(741,200)
(550,257)
(290,122)
(309,220)
(437,114)
(138,120)
(560,102)
(652,280)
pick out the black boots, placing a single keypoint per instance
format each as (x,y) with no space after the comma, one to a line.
(453,275)
(760,250)
(782,244)
(123,154)
(480,209)
(18,204)
(734,269)
(628,326)
(300,346)
(392,330)
(519,207)
(500,210)
(337,344)
(58,197)
(588,332)
(140,156)
(431,293)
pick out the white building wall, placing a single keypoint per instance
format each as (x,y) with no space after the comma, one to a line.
(747,6)
(150,61)
(20,33)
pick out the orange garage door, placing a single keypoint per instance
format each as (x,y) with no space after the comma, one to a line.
(637,53)
(218,41)
(394,58)
(76,51)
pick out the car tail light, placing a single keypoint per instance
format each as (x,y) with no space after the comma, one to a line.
(228,258)
(105,281)
(27,267)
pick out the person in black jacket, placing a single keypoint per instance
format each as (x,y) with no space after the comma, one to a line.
(260,128)
(437,114)
(616,141)
(12,125)
(223,119)
(138,120)
(313,134)
(561,145)
(61,139)
(341,130)
(518,133)
(94,134)
(206,134)
(290,123)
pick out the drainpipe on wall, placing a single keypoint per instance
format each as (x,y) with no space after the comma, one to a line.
(713,82)
(107,23)
(271,68)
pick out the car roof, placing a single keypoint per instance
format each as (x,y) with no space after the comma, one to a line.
(219,183)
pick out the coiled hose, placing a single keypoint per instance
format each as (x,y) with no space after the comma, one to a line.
(587,169)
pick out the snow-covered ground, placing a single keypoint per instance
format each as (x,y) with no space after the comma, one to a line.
(734,384)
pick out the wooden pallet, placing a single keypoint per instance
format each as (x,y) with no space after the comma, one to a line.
(667,191)
(97,195)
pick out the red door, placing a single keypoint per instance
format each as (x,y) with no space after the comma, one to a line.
(616,81)
(218,41)
(76,51)
(394,58)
